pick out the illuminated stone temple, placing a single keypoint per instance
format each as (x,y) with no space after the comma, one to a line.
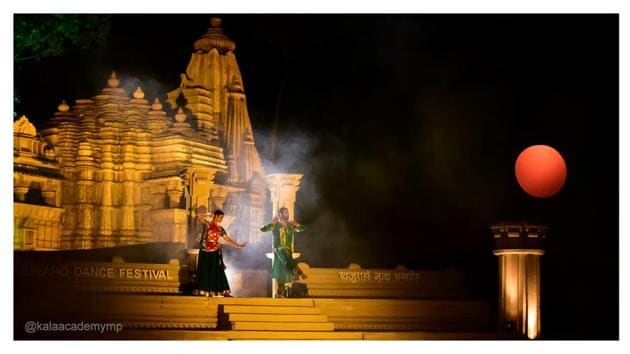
(116,169)
(113,185)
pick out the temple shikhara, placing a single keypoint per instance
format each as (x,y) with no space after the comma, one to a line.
(116,170)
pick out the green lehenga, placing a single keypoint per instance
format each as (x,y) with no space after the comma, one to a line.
(211,277)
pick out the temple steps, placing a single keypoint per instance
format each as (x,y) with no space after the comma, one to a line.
(283,326)
(183,317)
(162,334)
(286,310)
(255,317)
(407,315)
(283,317)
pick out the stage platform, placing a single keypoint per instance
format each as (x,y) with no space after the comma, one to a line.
(172,317)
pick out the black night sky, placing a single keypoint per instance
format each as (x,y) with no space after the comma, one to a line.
(407,128)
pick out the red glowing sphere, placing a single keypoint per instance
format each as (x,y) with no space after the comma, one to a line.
(540,171)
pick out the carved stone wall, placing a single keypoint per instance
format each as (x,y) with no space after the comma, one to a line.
(124,172)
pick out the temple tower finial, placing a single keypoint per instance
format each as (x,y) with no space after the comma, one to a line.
(63,106)
(180,117)
(113,81)
(157,105)
(215,22)
(215,38)
(138,94)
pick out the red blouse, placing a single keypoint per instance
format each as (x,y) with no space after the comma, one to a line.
(212,238)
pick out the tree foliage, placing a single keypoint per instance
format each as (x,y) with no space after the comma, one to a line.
(37,37)
(40,36)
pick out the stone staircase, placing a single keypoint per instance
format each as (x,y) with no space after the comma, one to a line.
(405,315)
(282,315)
(174,317)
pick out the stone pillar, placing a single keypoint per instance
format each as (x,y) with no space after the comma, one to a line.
(69,205)
(174,196)
(218,195)
(254,213)
(519,248)
(105,238)
(198,182)
(85,197)
(50,196)
(105,231)
(127,221)
(20,192)
(283,188)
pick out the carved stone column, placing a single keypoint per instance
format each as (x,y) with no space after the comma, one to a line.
(198,182)
(283,188)
(85,197)
(105,238)
(69,223)
(50,197)
(145,227)
(218,195)
(519,248)
(20,192)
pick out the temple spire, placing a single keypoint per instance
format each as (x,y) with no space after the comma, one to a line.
(157,120)
(180,122)
(138,93)
(113,81)
(212,92)
(63,106)
(180,117)
(157,105)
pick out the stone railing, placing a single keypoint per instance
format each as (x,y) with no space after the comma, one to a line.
(400,282)
(116,276)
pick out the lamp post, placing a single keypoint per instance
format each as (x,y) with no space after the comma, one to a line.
(519,248)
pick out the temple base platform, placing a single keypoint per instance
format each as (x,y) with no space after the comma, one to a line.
(170,317)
